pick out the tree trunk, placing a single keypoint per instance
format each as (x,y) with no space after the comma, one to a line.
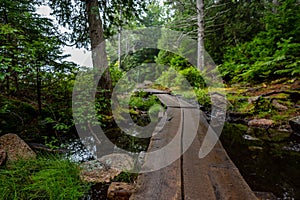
(275,6)
(99,56)
(200,19)
(38,90)
(119,40)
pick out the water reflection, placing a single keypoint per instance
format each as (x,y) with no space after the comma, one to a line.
(270,162)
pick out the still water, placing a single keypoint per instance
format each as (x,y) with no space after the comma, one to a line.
(269,161)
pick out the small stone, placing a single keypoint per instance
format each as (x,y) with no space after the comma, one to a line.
(119,191)
(96,172)
(119,161)
(250,138)
(295,124)
(265,196)
(15,148)
(279,106)
(265,123)
(255,148)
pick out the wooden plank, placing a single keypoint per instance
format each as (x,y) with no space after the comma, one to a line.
(168,100)
(189,178)
(163,184)
(213,177)
(196,183)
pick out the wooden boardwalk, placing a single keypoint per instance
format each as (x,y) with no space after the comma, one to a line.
(190,178)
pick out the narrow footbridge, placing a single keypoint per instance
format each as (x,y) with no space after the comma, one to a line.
(213,177)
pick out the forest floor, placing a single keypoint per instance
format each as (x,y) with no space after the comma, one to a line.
(278,101)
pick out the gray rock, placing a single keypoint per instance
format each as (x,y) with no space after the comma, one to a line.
(295,124)
(219,101)
(105,168)
(15,148)
(97,172)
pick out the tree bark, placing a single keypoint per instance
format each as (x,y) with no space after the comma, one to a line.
(200,22)
(99,56)
(119,40)
(275,6)
(38,90)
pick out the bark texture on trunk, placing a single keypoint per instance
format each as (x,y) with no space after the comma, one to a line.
(200,21)
(99,56)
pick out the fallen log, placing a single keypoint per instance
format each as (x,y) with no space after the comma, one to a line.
(37,146)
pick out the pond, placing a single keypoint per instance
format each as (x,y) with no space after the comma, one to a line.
(269,161)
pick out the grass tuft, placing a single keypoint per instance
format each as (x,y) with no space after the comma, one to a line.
(48,177)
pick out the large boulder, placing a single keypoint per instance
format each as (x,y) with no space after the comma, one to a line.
(15,148)
(295,124)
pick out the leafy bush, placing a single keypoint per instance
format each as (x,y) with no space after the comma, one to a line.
(193,76)
(272,54)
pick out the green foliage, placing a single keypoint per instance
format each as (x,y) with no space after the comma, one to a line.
(136,59)
(126,177)
(52,143)
(273,53)
(115,73)
(142,102)
(203,97)
(44,178)
(73,16)
(173,60)
(193,76)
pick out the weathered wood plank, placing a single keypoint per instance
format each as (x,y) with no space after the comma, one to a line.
(196,183)
(189,178)
(213,177)
(163,184)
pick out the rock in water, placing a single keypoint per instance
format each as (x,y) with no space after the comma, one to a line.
(2,157)
(15,148)
(119,191)
(295,124)
(96,172)
(105,168)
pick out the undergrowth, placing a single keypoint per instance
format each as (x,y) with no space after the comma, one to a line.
(47,177)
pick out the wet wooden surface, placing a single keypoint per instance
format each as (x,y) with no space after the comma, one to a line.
(190,178)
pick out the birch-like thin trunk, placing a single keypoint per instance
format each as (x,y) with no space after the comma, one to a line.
(99,56)
(200,19)
(275,5)
(119,40)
